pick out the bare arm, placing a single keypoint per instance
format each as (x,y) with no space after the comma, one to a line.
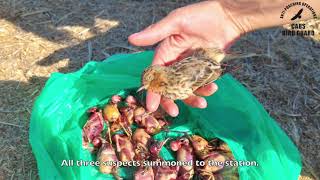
(251,15)
(206,24)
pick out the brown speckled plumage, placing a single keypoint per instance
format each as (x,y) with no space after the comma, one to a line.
(182,78)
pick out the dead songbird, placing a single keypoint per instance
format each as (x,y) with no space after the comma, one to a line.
(180,79)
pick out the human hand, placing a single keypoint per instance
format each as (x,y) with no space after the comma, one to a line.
(206,24)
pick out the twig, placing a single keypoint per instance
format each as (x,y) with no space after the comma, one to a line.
(273,66)
(295,133)
(316,107)
(274,34)
(43,22)
(290,114)
(105,54)
(28,110)
(11,111)
(89,50)
(315,93)
(15,52)
(63,17)
(34,92)
(18,84)
(153,13)
(294,105)
(84,31)
(35,12)
(269,50)
(308,167)
(10,124)
(99,14)
(13,11)
(23,168)
(11,178)
(30,175)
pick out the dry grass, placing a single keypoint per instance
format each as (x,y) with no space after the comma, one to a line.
(288,85)
(41,37)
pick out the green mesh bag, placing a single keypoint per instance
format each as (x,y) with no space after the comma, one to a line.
(233,115)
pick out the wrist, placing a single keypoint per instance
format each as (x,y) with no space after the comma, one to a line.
(237,12)
(230,30)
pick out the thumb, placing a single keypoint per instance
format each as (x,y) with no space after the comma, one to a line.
(155,33)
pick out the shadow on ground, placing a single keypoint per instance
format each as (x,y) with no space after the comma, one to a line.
(91,30)
(40,35)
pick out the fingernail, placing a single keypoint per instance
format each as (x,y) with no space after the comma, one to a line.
(152,107)
(214,87)
(203,104)
(134,34)
(174,113)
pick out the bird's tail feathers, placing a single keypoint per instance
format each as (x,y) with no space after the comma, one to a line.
(233,56)
(220,56)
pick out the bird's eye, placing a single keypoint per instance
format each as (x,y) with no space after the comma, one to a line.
(162,84)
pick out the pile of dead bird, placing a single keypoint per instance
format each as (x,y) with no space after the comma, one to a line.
(128,139)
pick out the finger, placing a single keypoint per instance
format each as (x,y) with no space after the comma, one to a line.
(153,101)
(186,54)
(155,33)
(170,49)
(207,90)
(196,101)
(170,107)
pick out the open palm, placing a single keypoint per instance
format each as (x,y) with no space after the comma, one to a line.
(206,24)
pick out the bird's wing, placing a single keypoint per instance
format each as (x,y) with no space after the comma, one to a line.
(214,76)
(197,72)
(208,73)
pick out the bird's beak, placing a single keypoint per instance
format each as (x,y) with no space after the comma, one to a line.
(141,88)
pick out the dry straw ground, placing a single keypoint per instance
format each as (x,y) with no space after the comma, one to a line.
(41,37)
